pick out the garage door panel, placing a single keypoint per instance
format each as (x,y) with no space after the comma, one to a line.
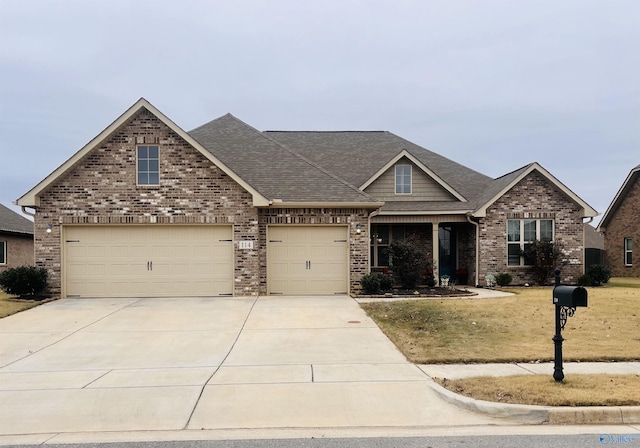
(139,261)
(307,259)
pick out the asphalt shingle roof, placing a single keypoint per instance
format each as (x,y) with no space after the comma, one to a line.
(12,222)
(271,168)
(312,166)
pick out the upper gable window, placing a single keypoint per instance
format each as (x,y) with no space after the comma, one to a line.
(628,252)
(403,179)
(148,165)
(3,252)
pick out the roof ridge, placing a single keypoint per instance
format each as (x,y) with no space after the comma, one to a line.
(325,132)
(306,160)
(522,168)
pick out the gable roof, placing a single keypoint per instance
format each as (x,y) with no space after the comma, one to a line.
(402,154)
(619,197)
(283,175)
(501,185)
(31,198)
(12,222)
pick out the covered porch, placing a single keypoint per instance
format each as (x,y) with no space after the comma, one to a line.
(448,242)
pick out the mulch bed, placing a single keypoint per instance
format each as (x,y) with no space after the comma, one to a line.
(421,292)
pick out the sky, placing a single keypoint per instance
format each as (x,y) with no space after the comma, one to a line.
(491,84)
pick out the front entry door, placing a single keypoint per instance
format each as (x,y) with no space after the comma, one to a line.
(447,254)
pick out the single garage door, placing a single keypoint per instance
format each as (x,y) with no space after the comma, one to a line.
(307,260)
(148,261)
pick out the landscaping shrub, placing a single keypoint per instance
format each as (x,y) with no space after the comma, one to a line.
(599,274)
(503,279)
(543,257)
(408,261)
(386,282)
(370,283)
(584,280)
(24,281)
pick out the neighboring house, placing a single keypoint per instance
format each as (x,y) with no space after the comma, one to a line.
(147,209)
(16,239)
(621,227)
(593,246)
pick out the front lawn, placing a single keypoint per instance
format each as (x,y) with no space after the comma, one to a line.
(514,329)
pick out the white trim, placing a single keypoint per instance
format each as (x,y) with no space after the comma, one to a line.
(32,197)
(395,168)
(427,171)
(627,251)
(587,210)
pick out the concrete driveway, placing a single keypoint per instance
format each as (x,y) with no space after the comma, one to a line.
(86,365)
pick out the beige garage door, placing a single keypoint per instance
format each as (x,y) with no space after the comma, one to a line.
(307,260)
(148,261)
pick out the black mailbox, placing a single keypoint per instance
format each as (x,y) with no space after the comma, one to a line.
(569,296)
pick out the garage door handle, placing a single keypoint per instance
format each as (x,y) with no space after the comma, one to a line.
(151,265)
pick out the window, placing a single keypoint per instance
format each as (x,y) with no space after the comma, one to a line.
(521,233)
(628,246)
(3,252)
(403,179)
(148,165)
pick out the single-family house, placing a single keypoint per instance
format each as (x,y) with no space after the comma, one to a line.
(16,239)
(148,209)
(621,227)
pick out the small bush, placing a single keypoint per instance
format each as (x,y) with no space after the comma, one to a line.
(599,274)
(24,281)
(386,282)
(585,280)
(370,283)
(408,261)
(503,279)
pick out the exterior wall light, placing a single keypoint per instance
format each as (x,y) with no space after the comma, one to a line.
(358,229)
(49,227)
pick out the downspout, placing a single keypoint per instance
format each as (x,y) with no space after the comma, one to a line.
(468,215)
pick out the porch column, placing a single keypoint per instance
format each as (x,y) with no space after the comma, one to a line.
(436,253)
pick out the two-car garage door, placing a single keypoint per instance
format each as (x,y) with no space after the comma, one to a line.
(139,261)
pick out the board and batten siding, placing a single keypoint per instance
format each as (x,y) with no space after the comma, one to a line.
(423,188)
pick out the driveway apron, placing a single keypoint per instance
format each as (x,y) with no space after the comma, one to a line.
(78,365)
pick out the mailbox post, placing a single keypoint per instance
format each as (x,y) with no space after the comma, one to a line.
(566,299)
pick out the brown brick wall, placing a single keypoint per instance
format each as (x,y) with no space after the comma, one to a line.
(533,198)
(101,189)
(19,250)
(625,223)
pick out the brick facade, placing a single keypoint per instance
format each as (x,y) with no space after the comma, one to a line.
(19,250)
(624,223)
(101,189)
(532,198)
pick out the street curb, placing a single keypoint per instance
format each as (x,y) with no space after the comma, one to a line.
(587,415)
(524,413)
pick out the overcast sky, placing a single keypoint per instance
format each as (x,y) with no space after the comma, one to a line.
(491,84)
